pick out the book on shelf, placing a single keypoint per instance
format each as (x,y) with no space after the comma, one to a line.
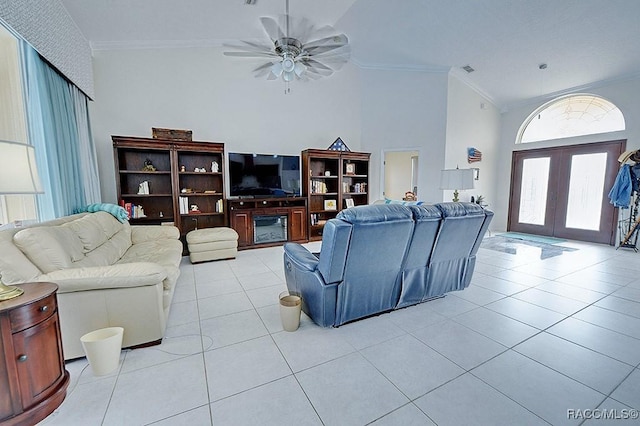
(134,211)
(318,186)
(143,188)
(184,205)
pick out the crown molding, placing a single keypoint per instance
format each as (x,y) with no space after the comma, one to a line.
(585,88)
(462,75)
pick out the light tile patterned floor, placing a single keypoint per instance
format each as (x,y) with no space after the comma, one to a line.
(529,342)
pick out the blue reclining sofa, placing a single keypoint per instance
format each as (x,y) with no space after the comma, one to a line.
(378,258)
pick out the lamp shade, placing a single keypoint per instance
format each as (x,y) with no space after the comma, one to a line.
(18,172)
(456,179)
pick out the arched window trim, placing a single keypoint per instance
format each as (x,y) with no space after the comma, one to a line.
(547,104)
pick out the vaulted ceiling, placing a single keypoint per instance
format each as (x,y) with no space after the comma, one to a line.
(583,42)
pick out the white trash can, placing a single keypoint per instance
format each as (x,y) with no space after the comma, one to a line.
(290,307)
(102,348)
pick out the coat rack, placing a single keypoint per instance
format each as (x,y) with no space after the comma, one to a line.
(629,227)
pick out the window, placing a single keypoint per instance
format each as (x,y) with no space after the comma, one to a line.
(12,123)
(573,115)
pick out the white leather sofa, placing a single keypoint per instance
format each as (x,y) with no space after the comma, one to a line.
(109,273)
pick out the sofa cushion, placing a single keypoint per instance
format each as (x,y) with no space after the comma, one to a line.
(50,248)
(95,229)
(166,253)
(15,267)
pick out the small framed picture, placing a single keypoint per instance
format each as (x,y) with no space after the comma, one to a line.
(350,169)
(330,205)
(348,202)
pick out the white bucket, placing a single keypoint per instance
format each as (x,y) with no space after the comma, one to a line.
(290,307)
(102,348)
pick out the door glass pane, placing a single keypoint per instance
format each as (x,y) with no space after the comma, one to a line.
(533,192)
(586,185)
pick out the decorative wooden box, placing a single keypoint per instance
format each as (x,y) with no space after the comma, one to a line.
(171,134)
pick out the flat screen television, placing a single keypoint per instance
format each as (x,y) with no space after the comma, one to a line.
(264,175)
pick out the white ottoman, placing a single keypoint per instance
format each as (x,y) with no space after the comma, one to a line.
(212,244)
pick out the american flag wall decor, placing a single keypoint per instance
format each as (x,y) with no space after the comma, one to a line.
(473,155)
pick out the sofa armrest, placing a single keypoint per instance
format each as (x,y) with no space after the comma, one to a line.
(302,257)
(120,275)
(143,233)
(303,277)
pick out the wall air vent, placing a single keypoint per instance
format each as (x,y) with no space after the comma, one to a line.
(468,69)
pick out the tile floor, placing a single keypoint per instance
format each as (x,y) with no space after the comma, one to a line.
(554,341)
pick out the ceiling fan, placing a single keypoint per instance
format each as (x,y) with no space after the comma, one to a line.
(297,50)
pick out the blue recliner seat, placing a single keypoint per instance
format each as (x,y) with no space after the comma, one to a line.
(415,271)
(459,232)
(359,267)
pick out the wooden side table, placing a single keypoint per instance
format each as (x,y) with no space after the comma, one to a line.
(33,379)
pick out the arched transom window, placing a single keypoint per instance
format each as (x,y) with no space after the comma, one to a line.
(574,115)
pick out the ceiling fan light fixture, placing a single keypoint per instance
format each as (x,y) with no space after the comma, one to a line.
(311,54)
(276,69)
(288,76)
(300,69)
(288,64)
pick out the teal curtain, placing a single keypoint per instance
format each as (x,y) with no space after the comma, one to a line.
(58,125)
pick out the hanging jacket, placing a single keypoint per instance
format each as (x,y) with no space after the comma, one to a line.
(620,194)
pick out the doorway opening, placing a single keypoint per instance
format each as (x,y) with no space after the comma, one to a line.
(400,173)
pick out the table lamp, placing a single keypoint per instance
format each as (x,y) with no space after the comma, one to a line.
(18,175)
(456,179)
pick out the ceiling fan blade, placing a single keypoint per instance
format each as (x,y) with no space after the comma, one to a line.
(263,69)
(334,59)
(272,28)
(317,50)
(319,71)
(300,28)
(263,66)
(251,54)
(316,76)
(249,46)
(315,64)
(318,33)
(334,39)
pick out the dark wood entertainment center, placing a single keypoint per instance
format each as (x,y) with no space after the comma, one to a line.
(248,215)
(182,182)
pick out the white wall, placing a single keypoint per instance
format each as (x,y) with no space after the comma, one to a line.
(405,110)
(472,121)
(217,98)
(623,93)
